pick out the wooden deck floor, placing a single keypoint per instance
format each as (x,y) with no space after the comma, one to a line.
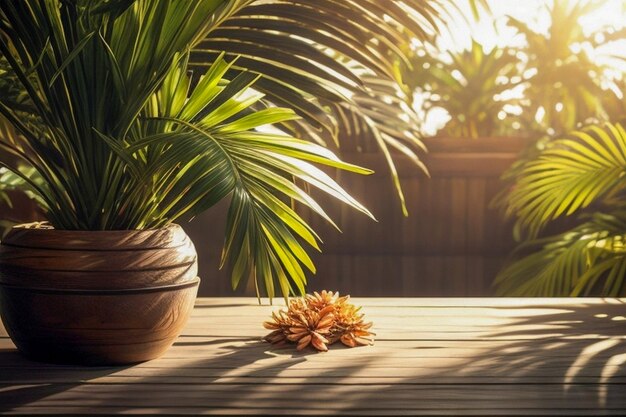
(432,356)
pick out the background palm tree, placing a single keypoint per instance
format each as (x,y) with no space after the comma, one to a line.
(468,85)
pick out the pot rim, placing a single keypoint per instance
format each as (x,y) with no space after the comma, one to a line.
(32,235)
(46,227)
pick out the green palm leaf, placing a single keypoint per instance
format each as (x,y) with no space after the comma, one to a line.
(320,57)
(568,175)
(588,260)
(225,152)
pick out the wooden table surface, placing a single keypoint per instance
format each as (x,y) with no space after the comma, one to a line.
(473,356)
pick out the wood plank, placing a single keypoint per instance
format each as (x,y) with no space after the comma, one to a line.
(108,409)
(307,377)
(187,348)
(442,302)
(432,356)
(320,398)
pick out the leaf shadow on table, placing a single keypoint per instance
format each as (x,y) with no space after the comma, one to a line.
(569,357)
(558,356)
(580,347)
(542,356)
(31,381)
(230,376)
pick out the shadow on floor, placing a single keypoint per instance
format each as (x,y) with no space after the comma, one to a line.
(22,374)
(552,358)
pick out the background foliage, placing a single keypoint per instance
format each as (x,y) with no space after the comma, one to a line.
(581,170)
(547,85)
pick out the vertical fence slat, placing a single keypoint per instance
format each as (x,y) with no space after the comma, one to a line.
(452,244)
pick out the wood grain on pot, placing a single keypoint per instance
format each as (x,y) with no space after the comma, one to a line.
(119,259)
(96,327)
(96,297)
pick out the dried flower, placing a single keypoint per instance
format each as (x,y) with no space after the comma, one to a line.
(318,301)
(319,319)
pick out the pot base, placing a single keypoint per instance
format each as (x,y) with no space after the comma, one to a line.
(96,327)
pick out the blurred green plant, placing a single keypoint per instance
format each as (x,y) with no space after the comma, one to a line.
(585,169)
(11,184)
(552,84)
(565,82)
(469,85)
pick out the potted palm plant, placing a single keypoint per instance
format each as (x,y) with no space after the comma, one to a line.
(123,147)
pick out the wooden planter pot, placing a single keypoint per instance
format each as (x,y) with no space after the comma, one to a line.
(102,297)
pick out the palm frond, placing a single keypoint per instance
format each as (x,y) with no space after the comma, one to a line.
(588,260)
(213,149)
(571,173)
(318,56)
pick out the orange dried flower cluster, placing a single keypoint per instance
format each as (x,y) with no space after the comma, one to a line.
(319,320)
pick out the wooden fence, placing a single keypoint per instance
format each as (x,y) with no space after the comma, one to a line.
(452,243)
